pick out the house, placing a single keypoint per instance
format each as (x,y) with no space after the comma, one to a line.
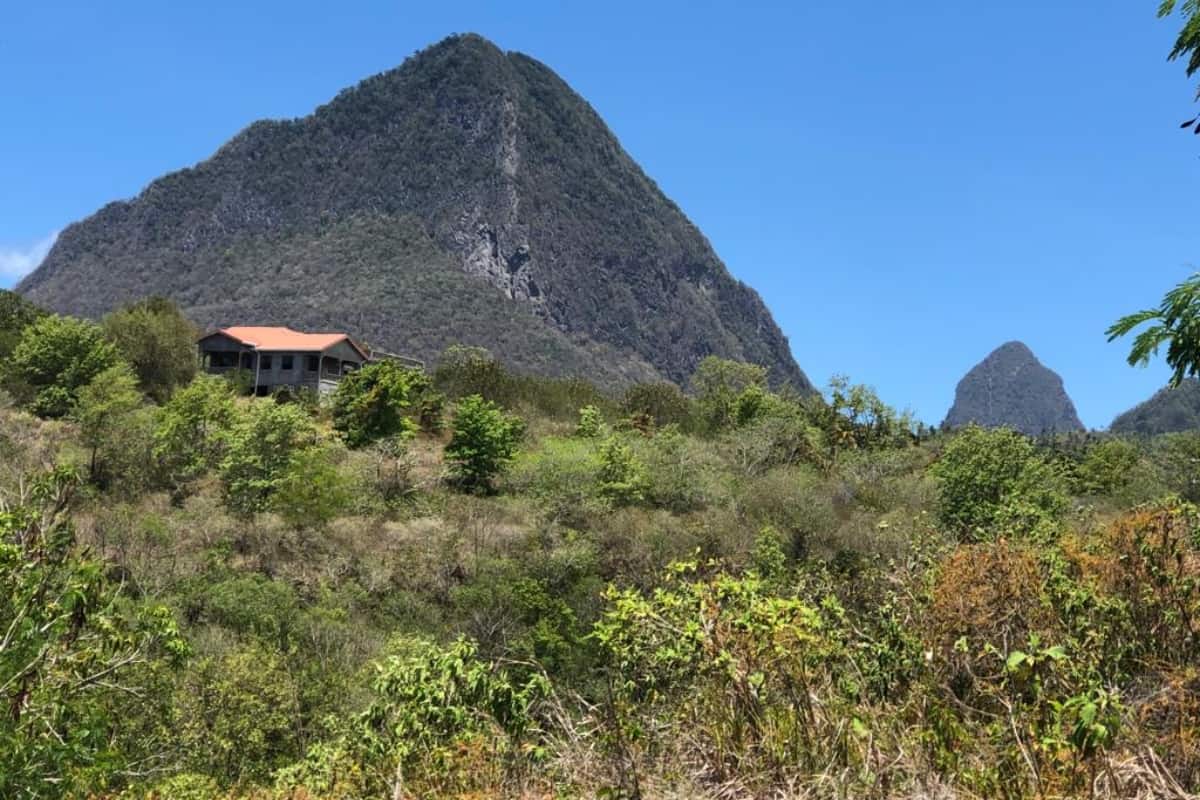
(282,357)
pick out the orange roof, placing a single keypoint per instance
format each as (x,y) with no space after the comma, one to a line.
(265,338)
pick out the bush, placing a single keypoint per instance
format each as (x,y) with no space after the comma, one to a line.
(312,492)
(591,423)
(1108,466)
(193,429)
(621,478)
(718,383)
(265,445)
(663,403)
(16,314)
(116,428)
(158,340)
(377,402)
(996,481)
(560,476)
(55,358)
(484,442)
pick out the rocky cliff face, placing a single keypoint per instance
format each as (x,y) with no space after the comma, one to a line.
(1012,389)
(467,196)
(1170,410)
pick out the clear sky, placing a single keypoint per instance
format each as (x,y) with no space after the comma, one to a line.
(908,185)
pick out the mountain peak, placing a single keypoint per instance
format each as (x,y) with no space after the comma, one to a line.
(469,195)
(1010,388)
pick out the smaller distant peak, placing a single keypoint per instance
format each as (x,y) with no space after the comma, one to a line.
(467,41)
(1014,347)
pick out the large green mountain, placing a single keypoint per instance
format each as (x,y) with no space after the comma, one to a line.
(467,196)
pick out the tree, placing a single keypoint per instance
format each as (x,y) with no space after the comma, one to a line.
(1187,43)
(71,646)
(193,429)
(376,402)
(312,492)
(105,411)
(992,481)
(1176,323)
(661,402)
(719,382)
(265,445)
(484,442)
(55,357)
(621,477)
(16,314)
(158,340)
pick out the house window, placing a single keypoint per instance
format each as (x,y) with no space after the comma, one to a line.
(285,363)
(265,363)
(312,363)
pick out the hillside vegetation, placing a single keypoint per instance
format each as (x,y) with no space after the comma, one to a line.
(471,583)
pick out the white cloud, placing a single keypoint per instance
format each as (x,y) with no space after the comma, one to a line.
(16,262)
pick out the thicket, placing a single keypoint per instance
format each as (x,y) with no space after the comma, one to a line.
(478,584)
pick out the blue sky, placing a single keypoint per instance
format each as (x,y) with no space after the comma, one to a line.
(907,185)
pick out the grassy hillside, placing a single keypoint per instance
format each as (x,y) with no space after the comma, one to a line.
(733,593)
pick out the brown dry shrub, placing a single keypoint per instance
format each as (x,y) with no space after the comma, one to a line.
(1148,560)
(983,594)
(1167,718)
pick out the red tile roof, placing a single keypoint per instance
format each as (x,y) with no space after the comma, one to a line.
(267,339)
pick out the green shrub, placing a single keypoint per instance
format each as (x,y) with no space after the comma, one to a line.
(264,447)
(377,402)
(591,423)
(484,442)
(996,481)
(663,403)
(158,340)
(1108,466)
(116,428)
(682,473)
(193,429)
(621,479)
(560,476)
(313,491)
(719,383)
(56,357)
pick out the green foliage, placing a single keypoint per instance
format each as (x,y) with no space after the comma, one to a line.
(995,481)
(591,423)
(1108,466)
(158,340)
(484,442)
(725,651)
(16,314)
(312,491)
(1188,42)
(1176,323)
(71,650)
(379,401)
(560,476)
(57,356)
(193,429)
(107,411)
(621,477)
(430,698)
(265,445)
(718,383)
(236,716)
(663,403)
